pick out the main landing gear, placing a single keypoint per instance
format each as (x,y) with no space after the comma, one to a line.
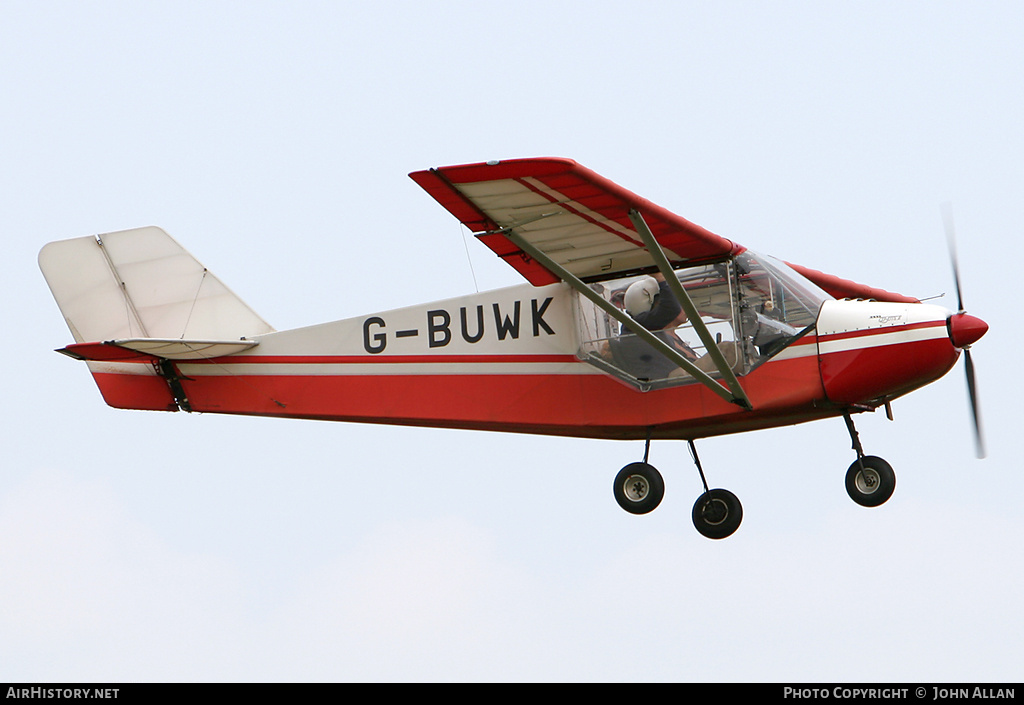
(639,489)
(870,481)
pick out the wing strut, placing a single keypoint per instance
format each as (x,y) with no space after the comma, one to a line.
(634,327)
(740,397)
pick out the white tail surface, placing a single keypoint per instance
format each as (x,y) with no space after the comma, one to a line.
(142,284)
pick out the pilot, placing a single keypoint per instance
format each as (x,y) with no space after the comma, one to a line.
(652,304)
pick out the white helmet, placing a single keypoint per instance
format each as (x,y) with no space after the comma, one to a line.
(640,295)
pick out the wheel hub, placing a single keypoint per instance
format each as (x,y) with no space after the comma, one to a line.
(636,488)
(867,480)
(715,511)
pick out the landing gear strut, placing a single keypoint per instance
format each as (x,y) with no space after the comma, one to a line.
(870,481)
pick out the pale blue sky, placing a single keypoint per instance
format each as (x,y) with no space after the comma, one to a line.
(273,141)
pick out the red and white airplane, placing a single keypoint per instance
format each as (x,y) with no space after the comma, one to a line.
(634,323)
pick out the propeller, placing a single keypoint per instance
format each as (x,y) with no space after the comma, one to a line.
(964,330)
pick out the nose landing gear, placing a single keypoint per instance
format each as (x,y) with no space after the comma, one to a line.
(870,481)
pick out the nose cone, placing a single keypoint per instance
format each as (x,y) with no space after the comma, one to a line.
(965,330)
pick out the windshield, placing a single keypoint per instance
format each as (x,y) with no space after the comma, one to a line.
(776,303)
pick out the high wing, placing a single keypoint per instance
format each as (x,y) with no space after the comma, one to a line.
(582,221)
(553,220)
(576,217)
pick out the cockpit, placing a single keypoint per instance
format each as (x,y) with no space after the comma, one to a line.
(752,306)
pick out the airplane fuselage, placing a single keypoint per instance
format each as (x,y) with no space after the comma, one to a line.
(508,360)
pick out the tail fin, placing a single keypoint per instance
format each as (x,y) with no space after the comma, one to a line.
(140,285)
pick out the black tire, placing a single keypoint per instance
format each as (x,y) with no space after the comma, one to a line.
(873,485)
(639,488)
(717,514)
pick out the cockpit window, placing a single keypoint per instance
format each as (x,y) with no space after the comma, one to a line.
(753,307)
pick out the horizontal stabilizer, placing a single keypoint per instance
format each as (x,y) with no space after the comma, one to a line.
(150,349)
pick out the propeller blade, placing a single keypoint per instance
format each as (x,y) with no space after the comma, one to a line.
(972,388)
(947,221)
(972,391)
